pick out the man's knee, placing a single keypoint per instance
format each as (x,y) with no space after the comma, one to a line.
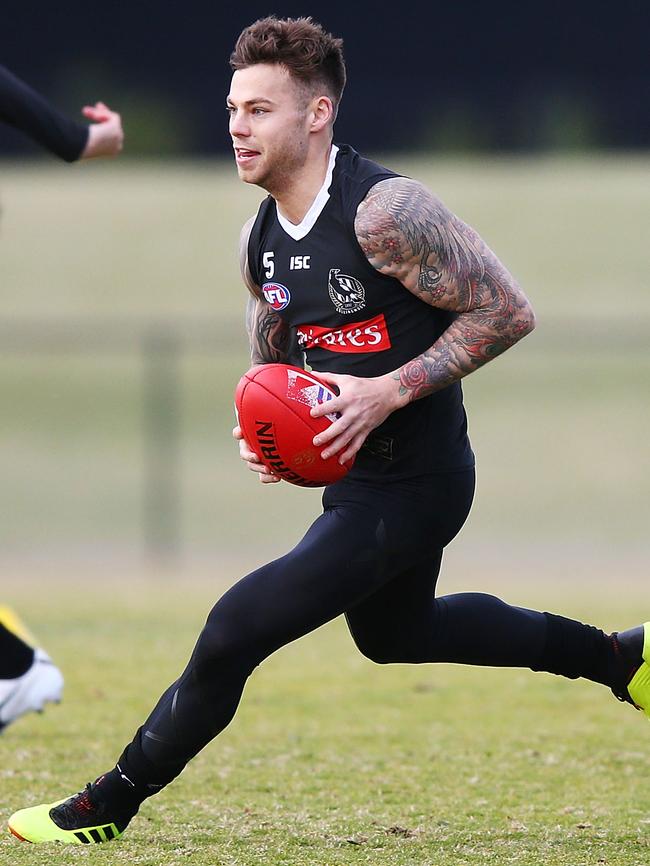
(381,652)
(223,646)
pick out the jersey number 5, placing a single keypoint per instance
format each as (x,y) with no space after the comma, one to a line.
(267,261)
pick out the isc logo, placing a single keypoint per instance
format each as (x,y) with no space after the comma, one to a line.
(276,295)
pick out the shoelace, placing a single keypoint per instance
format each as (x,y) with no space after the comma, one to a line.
(68,814)
(82,802)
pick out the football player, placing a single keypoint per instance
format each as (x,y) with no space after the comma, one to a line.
(427,302)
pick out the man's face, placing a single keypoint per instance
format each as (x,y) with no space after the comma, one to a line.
(268,125)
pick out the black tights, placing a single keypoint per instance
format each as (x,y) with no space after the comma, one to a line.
(373,555)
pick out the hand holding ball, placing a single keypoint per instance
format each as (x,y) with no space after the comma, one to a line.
(273,403)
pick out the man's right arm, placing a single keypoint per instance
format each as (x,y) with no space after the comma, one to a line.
(272,340)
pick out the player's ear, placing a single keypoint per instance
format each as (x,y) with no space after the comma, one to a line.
(322,113)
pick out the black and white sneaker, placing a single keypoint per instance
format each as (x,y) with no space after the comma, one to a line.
(40,685)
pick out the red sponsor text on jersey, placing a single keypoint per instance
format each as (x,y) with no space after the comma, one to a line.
(369,336)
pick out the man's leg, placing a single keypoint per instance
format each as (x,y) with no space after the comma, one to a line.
(366,540)
(344,557)
(339,562)
(403,622)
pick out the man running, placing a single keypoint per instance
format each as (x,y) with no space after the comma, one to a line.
(393,300)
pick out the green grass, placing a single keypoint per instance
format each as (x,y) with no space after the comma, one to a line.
(331,759)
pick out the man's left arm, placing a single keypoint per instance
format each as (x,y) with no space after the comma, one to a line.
(409,234)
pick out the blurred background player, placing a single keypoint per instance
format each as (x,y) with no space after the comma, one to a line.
(28,677)
(26,110)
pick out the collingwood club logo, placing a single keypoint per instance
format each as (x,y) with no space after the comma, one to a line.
(347,293)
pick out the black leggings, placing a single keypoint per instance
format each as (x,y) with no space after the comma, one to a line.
(373,555)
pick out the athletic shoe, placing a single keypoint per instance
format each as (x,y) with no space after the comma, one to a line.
(639,686)
(80,820)
(41,684)
(11,621)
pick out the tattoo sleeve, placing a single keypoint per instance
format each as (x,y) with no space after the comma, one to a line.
(407,233)
(271,339)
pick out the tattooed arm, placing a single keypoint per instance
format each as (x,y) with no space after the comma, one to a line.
(409,234)
(272,341)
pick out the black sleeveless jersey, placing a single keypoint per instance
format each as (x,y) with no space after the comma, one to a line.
(349,318)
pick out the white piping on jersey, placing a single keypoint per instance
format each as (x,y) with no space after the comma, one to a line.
(302,229)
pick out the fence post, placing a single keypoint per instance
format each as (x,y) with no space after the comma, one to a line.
(161,352)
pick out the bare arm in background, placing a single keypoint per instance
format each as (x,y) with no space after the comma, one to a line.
(25,109)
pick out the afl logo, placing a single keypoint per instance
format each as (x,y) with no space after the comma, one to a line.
(276,295)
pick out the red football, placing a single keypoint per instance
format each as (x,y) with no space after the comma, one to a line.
(273,403)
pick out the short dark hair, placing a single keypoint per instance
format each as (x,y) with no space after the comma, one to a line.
(312,56)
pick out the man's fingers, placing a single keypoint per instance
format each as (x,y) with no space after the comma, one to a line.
(334,380)
(246,454)
(334,448)
(269,479)
(245,451)
(251,459)
(99,115)
(336,428)
(346,446)
(339,443)
(352,448)
(330,407)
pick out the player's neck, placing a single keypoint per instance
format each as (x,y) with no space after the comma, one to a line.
(294,201)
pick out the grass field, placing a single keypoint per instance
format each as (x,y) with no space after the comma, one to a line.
(331,759)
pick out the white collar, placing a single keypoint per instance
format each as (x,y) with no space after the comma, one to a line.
(302,229)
